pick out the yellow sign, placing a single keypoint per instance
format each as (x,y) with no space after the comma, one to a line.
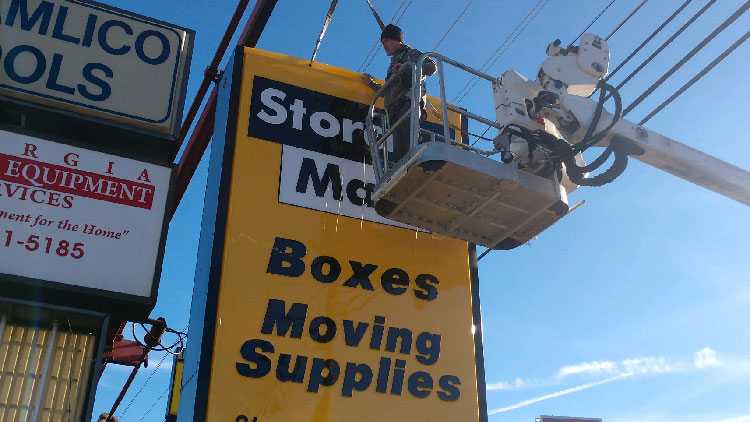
(326,311)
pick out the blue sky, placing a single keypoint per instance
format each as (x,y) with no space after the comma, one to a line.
(634,308)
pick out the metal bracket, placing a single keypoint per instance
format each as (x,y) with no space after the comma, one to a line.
(214,74)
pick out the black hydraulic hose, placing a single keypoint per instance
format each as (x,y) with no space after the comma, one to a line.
(575,172)
(589,139)
(580,146)
(615,117)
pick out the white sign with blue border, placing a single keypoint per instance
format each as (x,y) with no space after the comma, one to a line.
(92,59)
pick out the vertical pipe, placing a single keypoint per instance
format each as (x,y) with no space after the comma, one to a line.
(34,414)
(416,91)
(443,101)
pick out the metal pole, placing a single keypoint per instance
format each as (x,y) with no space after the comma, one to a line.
(34,415)
(212,69)
(323,31)
(443,101)
(416,94)
(377,18)
(203,130)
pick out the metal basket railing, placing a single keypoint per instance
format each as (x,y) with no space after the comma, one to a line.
(380,161)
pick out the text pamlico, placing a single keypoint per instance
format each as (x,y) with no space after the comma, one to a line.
(387,375)
(94,84)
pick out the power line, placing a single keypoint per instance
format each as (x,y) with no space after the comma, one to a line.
(377,43)
(154,404)
(627,18)
(519,33)
(593,21)
(150,375)
(476,80)
(688,56)
(144,384)
(375,47)
(665,44)
(482,68)
(403,12)
(697,77)
(452,25)
(649,38)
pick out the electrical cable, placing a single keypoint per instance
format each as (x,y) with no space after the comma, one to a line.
(452,25)
(697,77)
(649,38)
(517,35)
(482,135)
(487,65)
(665,44)
(687,57)
(375,48)
(499,48)
(593,22)
(132,400)
(180,334)
(152,372)
(154,404)
(403,12)
(476,80)
(624,20)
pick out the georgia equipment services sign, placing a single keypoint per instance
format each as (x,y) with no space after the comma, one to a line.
(80,220)
(96,60)
(325,311)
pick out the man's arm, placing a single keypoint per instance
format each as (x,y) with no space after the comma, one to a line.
(428,66)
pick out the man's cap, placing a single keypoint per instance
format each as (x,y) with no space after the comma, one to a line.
(392,32)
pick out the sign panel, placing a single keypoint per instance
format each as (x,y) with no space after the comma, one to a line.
(80,218)
(95,60)
(326,311)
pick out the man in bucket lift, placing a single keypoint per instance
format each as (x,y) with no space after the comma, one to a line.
(398,93)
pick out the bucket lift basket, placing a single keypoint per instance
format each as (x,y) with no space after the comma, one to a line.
(448,187)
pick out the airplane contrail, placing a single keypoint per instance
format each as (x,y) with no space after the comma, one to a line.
(558,394)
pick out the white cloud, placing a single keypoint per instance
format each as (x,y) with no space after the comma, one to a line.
(705,358)
(651,365)
(745,418)
(738,419)
(556,394)
(587,367)
(505,385)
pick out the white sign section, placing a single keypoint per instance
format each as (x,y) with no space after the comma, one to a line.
(94,60)
(79,217)
(330,184)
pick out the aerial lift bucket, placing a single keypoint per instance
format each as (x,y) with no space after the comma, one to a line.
(450,188)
